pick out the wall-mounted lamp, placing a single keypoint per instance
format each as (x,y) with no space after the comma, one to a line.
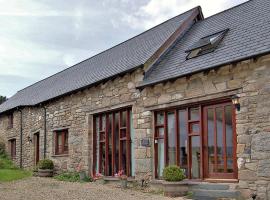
(29,139)
(236,102)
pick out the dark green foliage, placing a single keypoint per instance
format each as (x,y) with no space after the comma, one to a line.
(6,163)
(2,99)
(173,173)
(45,164)
(2,148)
(72,177)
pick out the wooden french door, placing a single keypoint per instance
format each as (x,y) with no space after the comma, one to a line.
(219,145)
(36,148)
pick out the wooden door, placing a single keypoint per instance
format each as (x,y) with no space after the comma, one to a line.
(219,141)
(36,148)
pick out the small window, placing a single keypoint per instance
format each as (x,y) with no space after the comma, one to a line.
(10,120)
(206,44)
(61,142)
(12,148)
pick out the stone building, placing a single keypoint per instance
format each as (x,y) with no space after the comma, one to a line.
(192,91)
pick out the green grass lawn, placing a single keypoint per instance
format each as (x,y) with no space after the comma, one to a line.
(13,174)
(9,172)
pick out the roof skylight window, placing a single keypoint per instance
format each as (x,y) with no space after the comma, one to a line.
(206,44)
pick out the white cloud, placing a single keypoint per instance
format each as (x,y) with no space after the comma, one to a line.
(40,38)
(157,11)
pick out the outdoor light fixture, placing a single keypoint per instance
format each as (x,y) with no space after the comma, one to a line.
(236,102)
(29,139)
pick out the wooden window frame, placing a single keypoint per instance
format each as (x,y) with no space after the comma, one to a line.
(105,141)
(10,120)
(57,149)
(190,134)
(12,148)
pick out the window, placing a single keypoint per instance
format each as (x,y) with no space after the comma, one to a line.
(61,142)
(113,135)
(10,120)
(171,137)
(206,44)
(12,148)
(200,139)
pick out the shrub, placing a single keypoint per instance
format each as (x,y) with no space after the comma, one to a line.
(2,148)
(173,173)
(45,164)
(72,177)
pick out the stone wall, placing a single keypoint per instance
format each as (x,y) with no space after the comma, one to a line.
(249,79)
(71,112)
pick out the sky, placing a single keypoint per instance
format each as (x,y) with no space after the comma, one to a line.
(40,38)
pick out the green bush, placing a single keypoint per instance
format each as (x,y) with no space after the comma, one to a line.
(71,177)
(45,164)
(173,173)
(6,163)
(2,148)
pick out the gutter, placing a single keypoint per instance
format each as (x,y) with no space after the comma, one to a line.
(45,132)
(21,138)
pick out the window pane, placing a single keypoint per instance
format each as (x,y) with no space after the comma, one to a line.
(116,137)
(66,142)
(194,113)
(194,128)
(110,144)
(102,170)
(124,156)
(229,138)
(103,123)
(160,132)
(160,118)
(220,152)
(183,139)
(171,139)
(124,119)
(211,144)
(97,144)
(195,153)
(160,157)
(132,137)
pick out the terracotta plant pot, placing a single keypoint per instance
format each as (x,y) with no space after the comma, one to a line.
(45,172)
(82,175)
(175,189)
(123,183)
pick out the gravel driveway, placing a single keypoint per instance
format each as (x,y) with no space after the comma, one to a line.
(35,188)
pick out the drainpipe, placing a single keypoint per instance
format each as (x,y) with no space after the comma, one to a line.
(21,138)
(45,132)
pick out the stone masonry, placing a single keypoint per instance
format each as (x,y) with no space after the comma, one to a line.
(249,79)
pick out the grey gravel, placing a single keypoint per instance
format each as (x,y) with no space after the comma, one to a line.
(35,188)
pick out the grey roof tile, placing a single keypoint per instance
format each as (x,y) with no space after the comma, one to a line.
(249,25)
(121,58)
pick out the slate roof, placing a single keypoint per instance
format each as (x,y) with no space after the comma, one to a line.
(119,59)
(248,36)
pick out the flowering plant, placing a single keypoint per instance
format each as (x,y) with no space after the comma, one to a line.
(97,176)
(121,174)
(79,168)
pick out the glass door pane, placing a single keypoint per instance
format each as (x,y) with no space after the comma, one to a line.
(219,139)
(195,157)
(229,138)
(171,139)
(161,161)
(211,143)
(182,123)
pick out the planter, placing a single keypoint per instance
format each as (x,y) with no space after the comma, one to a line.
(100,181)
(82,175)
(45,172)
(124,183)
(175,189)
